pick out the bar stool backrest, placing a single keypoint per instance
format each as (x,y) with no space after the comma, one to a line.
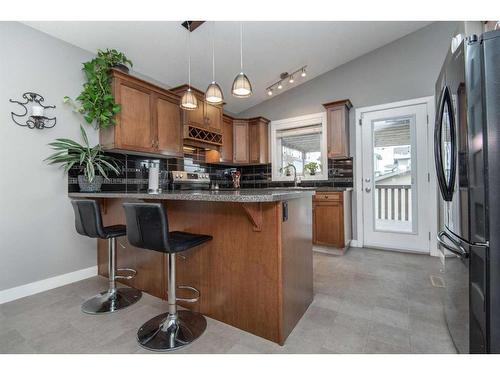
(88,220)
(147,226)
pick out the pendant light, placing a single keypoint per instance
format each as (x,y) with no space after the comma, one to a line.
(241,84)
(214,92)
(188,100)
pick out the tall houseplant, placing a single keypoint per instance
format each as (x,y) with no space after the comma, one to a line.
(96,100)
(92,161)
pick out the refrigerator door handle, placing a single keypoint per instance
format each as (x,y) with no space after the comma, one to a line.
(446,187)
(458,250)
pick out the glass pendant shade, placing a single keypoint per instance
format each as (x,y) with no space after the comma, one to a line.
(214,93)
(241,86)
(189,101)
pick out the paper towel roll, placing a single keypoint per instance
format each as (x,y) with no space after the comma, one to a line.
(154,178)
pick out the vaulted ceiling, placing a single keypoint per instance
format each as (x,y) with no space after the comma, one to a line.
(159,49)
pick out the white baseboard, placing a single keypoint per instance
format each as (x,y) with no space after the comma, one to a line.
(354,243)
(43,285)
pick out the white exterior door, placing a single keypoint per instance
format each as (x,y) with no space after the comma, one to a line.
(395,178)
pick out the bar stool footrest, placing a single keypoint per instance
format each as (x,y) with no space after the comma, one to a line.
(192,289)
(132,272)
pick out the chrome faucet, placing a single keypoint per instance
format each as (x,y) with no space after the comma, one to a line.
(295,179)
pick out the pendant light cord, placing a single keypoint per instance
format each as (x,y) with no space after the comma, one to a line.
(213,52)
(189,54)
(241,46)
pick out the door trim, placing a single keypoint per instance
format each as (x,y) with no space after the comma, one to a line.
(358,167)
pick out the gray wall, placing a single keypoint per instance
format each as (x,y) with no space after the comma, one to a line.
(37,234)
(404,69)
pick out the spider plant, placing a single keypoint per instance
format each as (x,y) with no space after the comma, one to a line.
(92,160)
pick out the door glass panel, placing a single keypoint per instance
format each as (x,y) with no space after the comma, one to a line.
(446,142)
(393,175)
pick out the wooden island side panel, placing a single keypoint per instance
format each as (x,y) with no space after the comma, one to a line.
(258,281)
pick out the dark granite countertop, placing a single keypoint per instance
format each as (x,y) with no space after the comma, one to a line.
(245,195)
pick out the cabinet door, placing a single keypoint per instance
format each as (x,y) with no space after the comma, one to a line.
(253,142)
(227,139)
(213,116)
(240,144)
(328,223)
(337,133)
(168,125)
(196,116)
(134,128)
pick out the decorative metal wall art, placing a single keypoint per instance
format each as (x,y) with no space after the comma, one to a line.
(37,117)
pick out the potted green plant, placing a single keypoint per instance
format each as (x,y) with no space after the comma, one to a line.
(286,169)
(92,161)
(312,167)
(96,102)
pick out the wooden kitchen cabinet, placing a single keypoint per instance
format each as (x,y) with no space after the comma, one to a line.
(332,219)
(240,141)
(213,114)
(258,141)
(149,119)
(338,128)
(225,152)
(250,141)
(169,137)
(206,116)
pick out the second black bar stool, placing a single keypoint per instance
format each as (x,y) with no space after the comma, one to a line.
(88,222)
(147,228)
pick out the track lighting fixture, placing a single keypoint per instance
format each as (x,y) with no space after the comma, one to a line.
(286,77)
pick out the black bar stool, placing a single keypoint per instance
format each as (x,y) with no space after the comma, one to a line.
(88,222)
(147,228)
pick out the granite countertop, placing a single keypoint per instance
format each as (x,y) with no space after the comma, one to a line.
(246,195)
(298,188)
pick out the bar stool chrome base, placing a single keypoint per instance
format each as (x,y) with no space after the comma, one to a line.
(167,332)
(108,302)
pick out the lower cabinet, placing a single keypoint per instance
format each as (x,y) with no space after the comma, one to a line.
(332,219)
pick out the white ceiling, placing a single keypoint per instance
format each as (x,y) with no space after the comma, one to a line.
(159,49)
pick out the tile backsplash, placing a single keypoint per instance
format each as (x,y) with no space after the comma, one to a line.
(134,170)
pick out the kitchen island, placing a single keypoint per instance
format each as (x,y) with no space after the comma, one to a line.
(256,274)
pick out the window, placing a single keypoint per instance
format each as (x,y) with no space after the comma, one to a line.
(299,142)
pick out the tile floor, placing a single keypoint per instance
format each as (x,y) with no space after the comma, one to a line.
(367,301)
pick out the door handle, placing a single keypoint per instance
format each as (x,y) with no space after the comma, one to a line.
(367,179)
(458,251)
(368,189)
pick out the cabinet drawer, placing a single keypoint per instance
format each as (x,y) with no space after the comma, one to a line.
(329,196)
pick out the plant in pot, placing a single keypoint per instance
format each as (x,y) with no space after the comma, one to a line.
(91,160)
(286,170)
(96,102)
(312,167)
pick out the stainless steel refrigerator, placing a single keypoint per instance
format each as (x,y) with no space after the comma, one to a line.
(467,158)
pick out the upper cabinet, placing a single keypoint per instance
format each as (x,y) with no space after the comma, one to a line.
(250,141)
(240,141)
(258,141)
(338,128)
(169,138)
(206,116)
(225,153)
(149,120)
(213,115)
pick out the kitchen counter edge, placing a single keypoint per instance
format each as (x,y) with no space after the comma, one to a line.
(209,196)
